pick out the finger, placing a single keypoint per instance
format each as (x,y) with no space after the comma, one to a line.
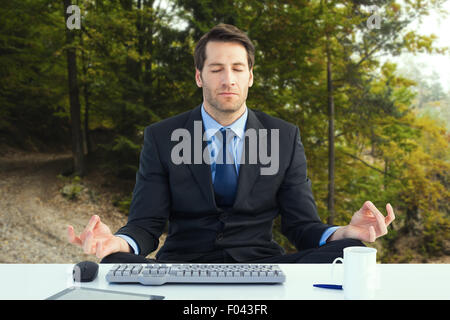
(88,243)
(92,222)
(374,209)
(367,204)
(368,208)
(380,220)
(391,216)
(72,237)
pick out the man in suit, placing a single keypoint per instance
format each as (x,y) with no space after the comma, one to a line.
(222,209)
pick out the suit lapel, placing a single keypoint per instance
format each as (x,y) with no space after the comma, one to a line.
(202,171)
(248,172)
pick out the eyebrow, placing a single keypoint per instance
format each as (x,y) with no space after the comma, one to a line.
(221,64)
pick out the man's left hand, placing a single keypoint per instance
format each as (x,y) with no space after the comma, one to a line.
(367,224)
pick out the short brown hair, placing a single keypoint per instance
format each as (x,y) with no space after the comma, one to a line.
(223,33)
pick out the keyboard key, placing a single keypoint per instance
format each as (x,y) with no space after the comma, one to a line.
(136,270)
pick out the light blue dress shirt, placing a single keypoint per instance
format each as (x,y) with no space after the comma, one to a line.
(212,128)
(214,144)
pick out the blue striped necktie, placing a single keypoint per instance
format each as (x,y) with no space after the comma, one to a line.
(226,178)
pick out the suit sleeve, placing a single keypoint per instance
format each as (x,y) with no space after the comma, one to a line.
(300,222)
(150,204)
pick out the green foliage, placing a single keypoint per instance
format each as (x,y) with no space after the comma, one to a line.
(123,203)
(31,75)
(436,234)
(72,189)
(121,157)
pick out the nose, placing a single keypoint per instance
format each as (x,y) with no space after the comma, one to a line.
(228,78)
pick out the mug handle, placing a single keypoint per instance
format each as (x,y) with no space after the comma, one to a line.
(333,265)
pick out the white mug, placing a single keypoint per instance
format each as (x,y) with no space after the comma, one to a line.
(360,274)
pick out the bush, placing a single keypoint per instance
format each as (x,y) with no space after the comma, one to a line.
(73,189)
(436,235)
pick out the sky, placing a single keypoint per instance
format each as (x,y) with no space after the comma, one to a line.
(439,25)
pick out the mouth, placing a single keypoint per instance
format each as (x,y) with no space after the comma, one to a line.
(227,94)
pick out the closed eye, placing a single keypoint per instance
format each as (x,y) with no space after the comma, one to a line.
(215,71)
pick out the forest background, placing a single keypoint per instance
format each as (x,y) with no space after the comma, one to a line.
(370,130)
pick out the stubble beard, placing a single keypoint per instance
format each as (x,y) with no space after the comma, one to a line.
(220,107)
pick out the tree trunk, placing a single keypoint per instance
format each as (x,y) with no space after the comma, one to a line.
(86,94)
(331,212)
(75,109)
(148,77)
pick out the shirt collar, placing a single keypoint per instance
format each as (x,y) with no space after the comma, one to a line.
(212,126)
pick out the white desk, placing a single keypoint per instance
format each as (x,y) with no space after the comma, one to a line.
(397,281)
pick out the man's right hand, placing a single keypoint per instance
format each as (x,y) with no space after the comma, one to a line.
(97,239)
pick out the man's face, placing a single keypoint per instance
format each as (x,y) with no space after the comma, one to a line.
(225,77)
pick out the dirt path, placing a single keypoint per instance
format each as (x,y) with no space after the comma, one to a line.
(34,214)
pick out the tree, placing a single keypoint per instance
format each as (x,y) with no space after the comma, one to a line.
(75,108)
(31,96)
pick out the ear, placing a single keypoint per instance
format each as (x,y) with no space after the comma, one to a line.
(250,81)
(198,78)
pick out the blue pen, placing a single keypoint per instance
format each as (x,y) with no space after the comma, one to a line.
(328,286)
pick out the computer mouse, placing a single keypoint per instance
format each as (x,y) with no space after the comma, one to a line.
(85,271)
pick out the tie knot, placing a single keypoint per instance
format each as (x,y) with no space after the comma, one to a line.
(226,156)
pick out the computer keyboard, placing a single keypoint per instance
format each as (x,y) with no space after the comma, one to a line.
(157,274)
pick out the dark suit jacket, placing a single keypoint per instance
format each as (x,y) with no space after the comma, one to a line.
(184,196)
